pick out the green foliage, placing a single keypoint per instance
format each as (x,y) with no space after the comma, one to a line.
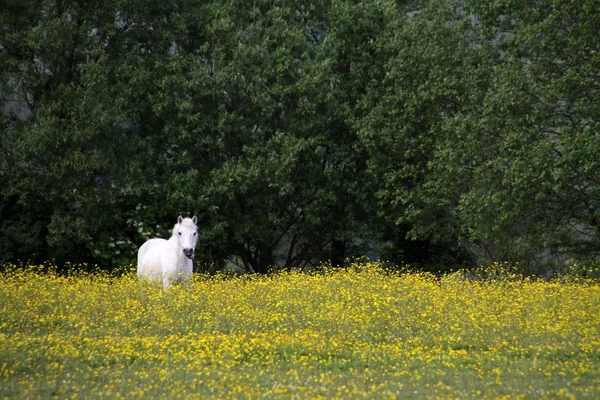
(439,133)
(527,155)
(429,77)
(76,154)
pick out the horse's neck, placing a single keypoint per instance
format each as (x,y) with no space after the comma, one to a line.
(173,242)
(174,245)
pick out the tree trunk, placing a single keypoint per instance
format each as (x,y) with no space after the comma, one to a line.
(338,252)
(263,263)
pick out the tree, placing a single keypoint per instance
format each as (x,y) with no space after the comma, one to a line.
(429,76)
(137,112)
(446,132)
(530,151)
(483,135)
(284,171)
(70,157)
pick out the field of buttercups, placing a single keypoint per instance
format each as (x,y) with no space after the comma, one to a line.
(361,332)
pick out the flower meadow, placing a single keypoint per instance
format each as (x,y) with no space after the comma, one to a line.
(360,332)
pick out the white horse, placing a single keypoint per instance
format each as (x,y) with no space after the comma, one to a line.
(169,261)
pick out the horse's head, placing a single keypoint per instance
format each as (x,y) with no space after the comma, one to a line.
(186,232)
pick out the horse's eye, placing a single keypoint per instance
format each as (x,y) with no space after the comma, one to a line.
(179,233)
(194,233)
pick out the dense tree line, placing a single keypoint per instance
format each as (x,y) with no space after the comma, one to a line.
(435,132)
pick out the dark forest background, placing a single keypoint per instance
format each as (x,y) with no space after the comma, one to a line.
(436,133)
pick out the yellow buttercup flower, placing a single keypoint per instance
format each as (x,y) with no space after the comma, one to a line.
(361,332)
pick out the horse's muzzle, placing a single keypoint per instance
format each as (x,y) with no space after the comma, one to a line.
(189,253)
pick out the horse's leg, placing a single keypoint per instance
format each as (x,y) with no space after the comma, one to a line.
(169,267)
(168,279)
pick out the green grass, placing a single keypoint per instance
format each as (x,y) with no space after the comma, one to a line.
(359,333)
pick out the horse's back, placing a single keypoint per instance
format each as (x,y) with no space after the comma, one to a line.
(149,264)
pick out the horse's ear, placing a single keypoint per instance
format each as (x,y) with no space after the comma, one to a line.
(194,220)
(180,219)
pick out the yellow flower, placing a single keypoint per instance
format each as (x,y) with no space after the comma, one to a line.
(356,333)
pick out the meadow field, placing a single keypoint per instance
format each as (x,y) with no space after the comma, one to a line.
(361,332)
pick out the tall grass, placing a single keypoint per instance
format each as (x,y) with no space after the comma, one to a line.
(355,333)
